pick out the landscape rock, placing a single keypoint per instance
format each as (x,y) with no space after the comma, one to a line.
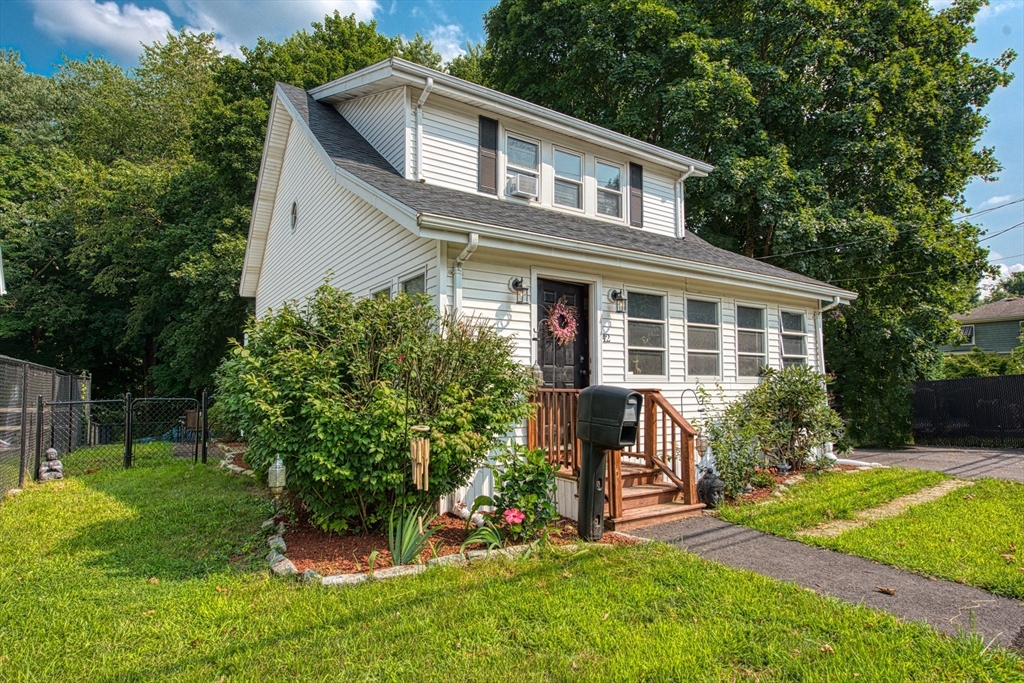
(513,550)
(235,469)
(344,579)
(403,570)
(267,523)
(283,566)
(477,555)
(277,543)
(456,560)
(11,493)
(274,556)
(312,576)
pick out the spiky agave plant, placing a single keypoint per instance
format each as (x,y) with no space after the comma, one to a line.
(408,534)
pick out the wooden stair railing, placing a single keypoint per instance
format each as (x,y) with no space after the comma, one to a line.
(666,441)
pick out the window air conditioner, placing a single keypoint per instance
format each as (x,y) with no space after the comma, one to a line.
(521,185)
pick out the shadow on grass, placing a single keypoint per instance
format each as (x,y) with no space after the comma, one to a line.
(183,522)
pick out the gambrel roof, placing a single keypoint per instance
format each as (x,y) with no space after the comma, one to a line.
(434,207)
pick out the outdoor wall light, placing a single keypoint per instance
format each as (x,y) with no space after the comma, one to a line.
(276,477)
(619,299)
(522,292)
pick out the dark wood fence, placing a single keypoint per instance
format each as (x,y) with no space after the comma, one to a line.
(973,411)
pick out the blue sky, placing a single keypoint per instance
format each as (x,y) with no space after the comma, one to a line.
(43,30)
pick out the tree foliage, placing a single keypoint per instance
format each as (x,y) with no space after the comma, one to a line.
(125,198)
(1009,286)
(843,136)
(334,388)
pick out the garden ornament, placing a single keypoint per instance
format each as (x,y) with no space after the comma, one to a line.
(276,477)
(710,490)
(51,469)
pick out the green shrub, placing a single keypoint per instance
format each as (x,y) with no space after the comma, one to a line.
(525,482)
(333,388)
(783,420)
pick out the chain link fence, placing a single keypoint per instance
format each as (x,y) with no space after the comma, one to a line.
(972,411)
(22,423)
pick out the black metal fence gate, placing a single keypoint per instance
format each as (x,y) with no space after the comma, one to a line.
(122,432)
(972,411)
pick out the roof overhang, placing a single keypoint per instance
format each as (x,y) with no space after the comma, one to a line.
(1001,319)
(395,72)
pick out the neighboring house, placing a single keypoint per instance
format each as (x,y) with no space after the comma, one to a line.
(994,327)
(400,178)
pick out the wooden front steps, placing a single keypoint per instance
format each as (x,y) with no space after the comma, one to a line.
(653,514)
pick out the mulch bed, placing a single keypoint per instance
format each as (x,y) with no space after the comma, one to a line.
(239,460)
(327,553)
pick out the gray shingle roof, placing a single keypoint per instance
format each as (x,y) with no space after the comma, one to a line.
(1009,309)
(351,152)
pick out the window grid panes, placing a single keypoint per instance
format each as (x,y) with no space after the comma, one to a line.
(750,341)
(415,285)
(568,179)
(521,157)
(646,336)
(609,189)
(794,339)
(703,337)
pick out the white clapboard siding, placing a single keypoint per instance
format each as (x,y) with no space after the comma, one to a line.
(336,232)
(450,139)
(381,119)
(566,497)
(485,294)
(659,203)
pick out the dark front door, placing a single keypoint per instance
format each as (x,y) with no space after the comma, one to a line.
(565,366)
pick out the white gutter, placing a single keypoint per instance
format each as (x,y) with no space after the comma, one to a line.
(474,242)
(681,203)
(417,171)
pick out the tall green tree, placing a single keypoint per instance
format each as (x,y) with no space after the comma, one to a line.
(1011,285)
(843,137)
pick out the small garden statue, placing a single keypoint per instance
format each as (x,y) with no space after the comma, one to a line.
(711,490)
(51,469)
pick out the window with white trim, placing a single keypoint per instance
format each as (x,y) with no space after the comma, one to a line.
(609,189)
(417,284)
(751,349)
(703,339)
(568,179)
(967,332)
(646,336)
(794,339)
(522,157)
(384,291)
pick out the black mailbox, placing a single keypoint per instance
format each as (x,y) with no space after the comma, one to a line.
(608,419)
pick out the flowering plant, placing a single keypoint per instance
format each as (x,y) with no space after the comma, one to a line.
(513,516)
(562,322)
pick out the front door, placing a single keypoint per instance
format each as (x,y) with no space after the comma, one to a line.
(565,365)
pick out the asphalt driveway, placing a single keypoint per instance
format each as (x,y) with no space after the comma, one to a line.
(967,463)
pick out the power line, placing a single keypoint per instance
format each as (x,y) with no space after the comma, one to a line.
(900,232)
(988,237)
(1005,258)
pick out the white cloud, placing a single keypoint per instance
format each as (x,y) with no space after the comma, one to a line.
(118,29)
(993,201)
(448,40)
(240,22)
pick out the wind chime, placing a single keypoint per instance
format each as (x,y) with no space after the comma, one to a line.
(420,449)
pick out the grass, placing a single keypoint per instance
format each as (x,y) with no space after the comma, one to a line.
(111,456)
(829,496)
(80,603)
(973,535)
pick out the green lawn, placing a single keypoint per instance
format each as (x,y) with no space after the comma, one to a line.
(974,535)
(111,456)
(79,604)
(829,496)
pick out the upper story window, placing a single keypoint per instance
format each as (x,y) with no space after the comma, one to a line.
(794,339)
(646,338)
(750,341)
(702,338)
(609,189)
(568,179)
(522,167)
(967,332)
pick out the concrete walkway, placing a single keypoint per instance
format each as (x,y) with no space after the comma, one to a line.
(945,605)
(968,463)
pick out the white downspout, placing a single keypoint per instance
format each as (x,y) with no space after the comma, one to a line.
(474,242)
(681,203)
(417,170)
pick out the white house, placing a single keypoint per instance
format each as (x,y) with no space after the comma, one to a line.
(400,178)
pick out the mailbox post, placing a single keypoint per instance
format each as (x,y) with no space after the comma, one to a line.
(608,419)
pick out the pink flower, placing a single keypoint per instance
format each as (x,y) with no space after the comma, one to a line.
(513,516)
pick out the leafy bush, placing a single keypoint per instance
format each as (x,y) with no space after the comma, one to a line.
(978,363)
(783,420)
(334,387)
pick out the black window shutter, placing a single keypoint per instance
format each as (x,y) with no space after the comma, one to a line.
(487,178)
(636,195)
